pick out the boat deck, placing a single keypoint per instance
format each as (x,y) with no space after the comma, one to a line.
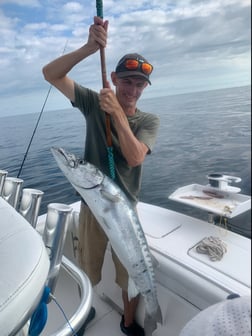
(108,313)
(107,319)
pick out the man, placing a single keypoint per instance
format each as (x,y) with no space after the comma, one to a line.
(133,135)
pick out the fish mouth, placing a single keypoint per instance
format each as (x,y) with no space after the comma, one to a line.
(67,158)
(71,159)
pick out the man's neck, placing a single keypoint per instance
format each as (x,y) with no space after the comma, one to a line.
(129,111)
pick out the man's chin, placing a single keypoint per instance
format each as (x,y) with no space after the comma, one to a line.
(130,102)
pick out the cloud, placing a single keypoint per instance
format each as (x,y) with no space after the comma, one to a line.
(22,3)
(193,45)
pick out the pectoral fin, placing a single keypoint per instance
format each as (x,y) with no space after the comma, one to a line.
(111,197)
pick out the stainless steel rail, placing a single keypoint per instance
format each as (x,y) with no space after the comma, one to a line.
(86,294)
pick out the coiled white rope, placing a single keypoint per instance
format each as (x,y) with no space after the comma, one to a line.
(214,247)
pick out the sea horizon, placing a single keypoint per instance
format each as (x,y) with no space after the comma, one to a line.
(142,100)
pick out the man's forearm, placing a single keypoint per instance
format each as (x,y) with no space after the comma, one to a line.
(58,68)
(133,150)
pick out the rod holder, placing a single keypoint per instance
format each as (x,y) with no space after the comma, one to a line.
(3,174)
(54,235)
(30,205)
(11,190)
(74,232)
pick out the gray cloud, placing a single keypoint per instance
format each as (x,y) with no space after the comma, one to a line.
(193,45)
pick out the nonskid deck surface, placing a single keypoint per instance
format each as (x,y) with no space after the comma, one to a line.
(108,314)
(107,319)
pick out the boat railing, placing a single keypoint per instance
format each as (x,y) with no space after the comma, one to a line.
(85,288)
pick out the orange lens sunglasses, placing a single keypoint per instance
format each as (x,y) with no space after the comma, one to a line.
(133,64)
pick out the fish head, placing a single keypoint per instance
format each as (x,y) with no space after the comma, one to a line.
(80,173)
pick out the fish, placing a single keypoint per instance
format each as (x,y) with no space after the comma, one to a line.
(120,222)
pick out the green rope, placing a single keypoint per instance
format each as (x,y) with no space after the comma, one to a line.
(111,162)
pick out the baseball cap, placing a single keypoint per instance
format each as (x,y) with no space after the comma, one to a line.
(134,65)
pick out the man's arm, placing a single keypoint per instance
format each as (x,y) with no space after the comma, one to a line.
(133,150)
(56,71)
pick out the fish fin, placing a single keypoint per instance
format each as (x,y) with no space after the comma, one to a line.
(150,321)
(155,262)
(132,290)
(111,197)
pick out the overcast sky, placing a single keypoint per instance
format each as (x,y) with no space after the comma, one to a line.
(193,45)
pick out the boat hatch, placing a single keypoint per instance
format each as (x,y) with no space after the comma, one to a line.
(156,228)
(235,255)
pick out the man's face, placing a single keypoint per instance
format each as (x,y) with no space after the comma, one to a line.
(129,90)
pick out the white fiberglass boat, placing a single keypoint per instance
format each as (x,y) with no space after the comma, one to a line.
(188,281)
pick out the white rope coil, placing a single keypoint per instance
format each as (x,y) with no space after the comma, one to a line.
(214,247)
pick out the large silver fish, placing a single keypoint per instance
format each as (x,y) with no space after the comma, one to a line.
(120,222)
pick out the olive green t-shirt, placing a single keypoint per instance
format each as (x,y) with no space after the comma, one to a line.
(143,125)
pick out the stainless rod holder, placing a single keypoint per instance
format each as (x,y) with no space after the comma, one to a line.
(11,190)
(3,174)
(54,235)
(30,205)
(74,232)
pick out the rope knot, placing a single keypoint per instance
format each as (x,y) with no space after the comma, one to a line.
(214,247)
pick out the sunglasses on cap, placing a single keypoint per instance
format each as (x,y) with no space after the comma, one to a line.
(135,64)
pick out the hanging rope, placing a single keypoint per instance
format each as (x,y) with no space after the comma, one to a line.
(214,247)
(99,9)
(37,123)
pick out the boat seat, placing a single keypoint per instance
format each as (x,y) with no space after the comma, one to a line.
(24,269)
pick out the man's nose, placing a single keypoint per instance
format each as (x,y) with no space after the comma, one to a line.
(133,89)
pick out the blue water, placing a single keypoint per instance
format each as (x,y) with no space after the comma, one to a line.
(200,133)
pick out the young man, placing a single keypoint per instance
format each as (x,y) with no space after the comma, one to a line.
(133,135)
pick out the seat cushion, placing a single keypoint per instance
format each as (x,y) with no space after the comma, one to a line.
(24,269)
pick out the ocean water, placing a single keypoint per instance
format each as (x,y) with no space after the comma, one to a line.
(200,133)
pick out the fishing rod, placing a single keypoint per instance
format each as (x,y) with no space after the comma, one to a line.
(37,123)
(99,9)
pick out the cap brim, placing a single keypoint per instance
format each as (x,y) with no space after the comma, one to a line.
(123,74)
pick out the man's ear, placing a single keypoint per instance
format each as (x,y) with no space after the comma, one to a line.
(114,78)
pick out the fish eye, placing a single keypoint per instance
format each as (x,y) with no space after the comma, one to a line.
(72,163)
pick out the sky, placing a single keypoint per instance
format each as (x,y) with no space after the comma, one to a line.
(193,45)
